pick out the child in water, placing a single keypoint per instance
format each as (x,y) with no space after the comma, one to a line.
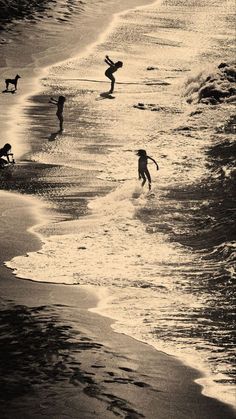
(5,152)
(111,69)
(143,171)
(60,105)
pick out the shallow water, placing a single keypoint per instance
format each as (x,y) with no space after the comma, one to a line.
(166,260)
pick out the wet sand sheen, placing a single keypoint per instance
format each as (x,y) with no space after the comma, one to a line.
(60,359)
(121,377)
(101,158)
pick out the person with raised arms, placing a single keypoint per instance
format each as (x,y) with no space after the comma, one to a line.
(113,67)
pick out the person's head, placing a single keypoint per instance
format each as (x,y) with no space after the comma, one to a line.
(119,64)
(141,153)
(61,99)
(7,147)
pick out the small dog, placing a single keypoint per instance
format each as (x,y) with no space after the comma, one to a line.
(12,81)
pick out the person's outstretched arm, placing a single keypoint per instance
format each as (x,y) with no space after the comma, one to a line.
(109,61)
(53,101)
(154,161)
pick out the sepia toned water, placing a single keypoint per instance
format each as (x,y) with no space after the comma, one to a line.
(163,263)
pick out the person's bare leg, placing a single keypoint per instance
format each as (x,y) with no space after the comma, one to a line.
(144,179)
(149,179)
(112,85)
(60,117)
(61,124)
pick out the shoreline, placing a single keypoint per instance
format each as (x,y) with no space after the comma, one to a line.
(205,377)
(23,98)
(39,66)
(99,296)
(99,358)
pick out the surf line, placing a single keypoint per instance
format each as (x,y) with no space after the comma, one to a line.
(161,82)
(115,17)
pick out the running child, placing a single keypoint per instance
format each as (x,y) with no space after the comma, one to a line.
(111,69)
(143,172)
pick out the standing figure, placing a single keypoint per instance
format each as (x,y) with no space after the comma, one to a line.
(143,172)
(60,106)
(111,69)
(5,152)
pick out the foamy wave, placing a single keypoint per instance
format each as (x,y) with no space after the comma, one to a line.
(113,247)
(226,253)
(212,87)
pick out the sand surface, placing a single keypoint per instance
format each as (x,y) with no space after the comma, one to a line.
(60,360)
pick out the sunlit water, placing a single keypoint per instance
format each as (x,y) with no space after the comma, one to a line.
(166,259)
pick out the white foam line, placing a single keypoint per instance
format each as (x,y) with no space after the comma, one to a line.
(18,108)
(191,359)
(102,37)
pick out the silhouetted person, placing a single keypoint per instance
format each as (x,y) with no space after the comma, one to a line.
(60,107)
(111,69)
(5,152)
(143,172)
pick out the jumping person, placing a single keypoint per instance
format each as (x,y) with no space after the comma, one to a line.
(111,69)
(5,152)
(60,106)
(143,172)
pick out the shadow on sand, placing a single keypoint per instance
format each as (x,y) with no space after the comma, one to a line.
(105,95)
(43,355)
(53,136)
(9,91)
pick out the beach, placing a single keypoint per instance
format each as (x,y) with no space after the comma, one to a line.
(116,302)
(59,360)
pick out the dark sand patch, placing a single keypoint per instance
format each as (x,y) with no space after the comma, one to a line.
(156,108)
(52,357)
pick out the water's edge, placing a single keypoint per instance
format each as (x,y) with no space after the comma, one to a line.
(27,97)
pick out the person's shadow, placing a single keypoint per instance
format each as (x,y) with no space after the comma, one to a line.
(9,91)
(53,136)
(105,95)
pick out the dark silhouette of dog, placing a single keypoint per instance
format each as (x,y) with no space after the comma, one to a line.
(12,81)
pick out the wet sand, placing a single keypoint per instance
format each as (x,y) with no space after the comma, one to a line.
(60,360)
(68,28)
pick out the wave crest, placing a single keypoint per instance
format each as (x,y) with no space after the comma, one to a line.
(214,87)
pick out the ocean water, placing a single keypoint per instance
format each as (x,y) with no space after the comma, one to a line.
(163,263)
